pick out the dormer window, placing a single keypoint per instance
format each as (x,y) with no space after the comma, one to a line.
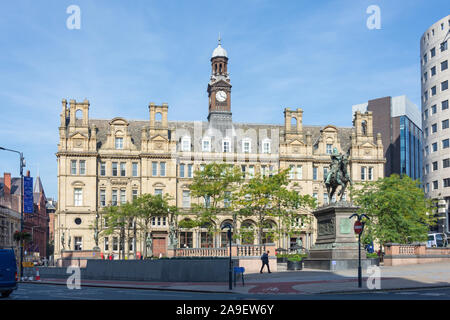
(226,145)
(119,143)
(206,144)
(266,146)
(246,145)
(186,144)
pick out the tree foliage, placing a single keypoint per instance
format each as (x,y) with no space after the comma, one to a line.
(268,196)
(398,209)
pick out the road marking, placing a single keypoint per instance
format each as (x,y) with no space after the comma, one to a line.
(433,294)
(406,293)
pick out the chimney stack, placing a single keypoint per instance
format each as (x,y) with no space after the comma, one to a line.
(7,183)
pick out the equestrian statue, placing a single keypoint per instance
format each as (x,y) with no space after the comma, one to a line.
(338,175)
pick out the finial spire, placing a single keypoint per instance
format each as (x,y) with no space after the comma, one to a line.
(220,39)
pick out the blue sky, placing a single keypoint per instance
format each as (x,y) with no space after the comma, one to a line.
(318,56)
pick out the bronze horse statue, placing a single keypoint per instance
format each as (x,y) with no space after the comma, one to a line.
(338,175)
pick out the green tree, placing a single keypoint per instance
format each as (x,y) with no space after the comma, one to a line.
(269,196)
(216,185)
(115,224)
(149,206)
(398,209)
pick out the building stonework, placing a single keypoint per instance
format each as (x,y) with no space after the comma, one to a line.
(108,162)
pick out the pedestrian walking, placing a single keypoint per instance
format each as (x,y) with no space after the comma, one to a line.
(265,262)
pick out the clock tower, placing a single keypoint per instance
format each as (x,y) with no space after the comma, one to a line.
(219,87)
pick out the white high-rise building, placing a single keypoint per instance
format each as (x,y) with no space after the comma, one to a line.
(435,77)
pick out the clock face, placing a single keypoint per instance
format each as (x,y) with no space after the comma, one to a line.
(221,96)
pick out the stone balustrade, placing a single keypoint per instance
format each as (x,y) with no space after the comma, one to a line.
(416,253)
(236,251)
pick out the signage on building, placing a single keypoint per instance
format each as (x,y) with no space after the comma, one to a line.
(28,195)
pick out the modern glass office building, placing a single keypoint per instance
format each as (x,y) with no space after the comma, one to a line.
(410,148)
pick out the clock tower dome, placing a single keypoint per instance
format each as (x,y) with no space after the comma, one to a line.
(219,87)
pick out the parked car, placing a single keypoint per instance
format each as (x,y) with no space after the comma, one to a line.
(437,240)
(8,272)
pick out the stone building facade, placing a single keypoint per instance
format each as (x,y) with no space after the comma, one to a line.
(109,162)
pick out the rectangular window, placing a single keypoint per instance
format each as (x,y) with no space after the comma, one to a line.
(263,171)
(189,170)
(291,172)
(433,91)
(73,166)
(123,198)
(425,114)
(158,192)
(425,95)
(299,172)
(114,169)
(446,182)
(427,151)
(446,163)
(435,185)
(182,170)
(325,198)
(226,146)
(154,169)
(444,65)
(266,147)
(251,171)
(433,109)
(114,198)
(115,243)
(426,132)
(119,143)
(82,166)
(425,76)
(246,146)
(444,85)
(106,244)
(315,195)
(445,143)
(325,172)
(329,148)
(162,169)
(78,196)
(428,188)
(122,169)
(444,46)
(314,173)
(433,52)
(435,166)
(78,243)
(131,244)
(433,71)
(227,199)
(186,144)
(102,168)
(363,173)
(103,198)
(206,145)
(434,128)
(434,145)
(134,194)
(135,169)
(370,173)
(425,58)
(427,168)
(445,124)
(186,199)
(444,105)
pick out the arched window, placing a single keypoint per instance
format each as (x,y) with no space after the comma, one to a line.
(269,230)
(158,116)
(247,232)
(79,114)
(364,128)
(293,123)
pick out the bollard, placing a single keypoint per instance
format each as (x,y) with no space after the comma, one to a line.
(38,277)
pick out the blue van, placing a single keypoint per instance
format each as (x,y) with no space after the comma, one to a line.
(8,272)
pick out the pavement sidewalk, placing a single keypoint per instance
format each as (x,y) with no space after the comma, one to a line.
(306,281)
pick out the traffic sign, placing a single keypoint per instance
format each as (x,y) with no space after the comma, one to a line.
(28,264)
(358,227)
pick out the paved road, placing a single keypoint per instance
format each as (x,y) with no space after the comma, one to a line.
(29,291)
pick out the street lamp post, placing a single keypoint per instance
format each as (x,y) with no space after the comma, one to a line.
(230,276)
(21,165)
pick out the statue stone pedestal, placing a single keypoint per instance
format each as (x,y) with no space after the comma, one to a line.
(336,246)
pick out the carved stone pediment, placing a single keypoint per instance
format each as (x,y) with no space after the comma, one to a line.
(119,182)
